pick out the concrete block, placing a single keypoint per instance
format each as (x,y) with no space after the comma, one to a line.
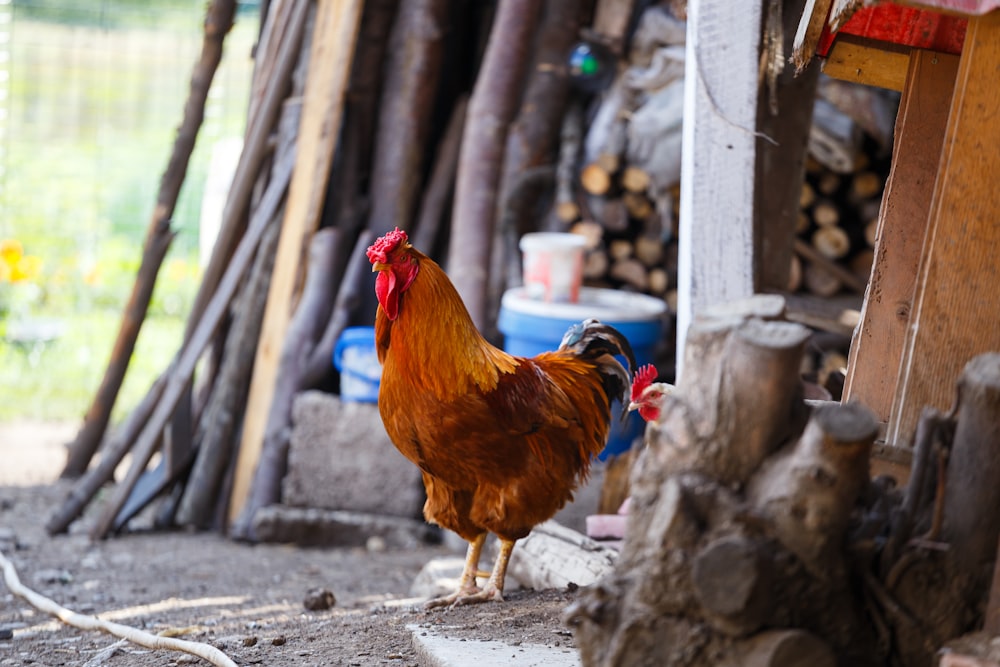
(439,577)
(437,650)
(341,458)
(309,526)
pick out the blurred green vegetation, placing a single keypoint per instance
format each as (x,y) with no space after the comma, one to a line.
(93,98)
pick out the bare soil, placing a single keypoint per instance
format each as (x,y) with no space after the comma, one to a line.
(247,600)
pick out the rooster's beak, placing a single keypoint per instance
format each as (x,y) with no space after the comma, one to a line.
(634,406)
(379,266)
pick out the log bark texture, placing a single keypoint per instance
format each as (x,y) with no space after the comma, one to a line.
(411,72)
(492,107)
(757,536)
(704,568)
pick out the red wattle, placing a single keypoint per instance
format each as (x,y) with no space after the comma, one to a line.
(386,293)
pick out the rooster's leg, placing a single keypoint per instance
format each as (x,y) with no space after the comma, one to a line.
(467,584)
(493,590)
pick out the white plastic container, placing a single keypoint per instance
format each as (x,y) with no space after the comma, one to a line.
(552,266)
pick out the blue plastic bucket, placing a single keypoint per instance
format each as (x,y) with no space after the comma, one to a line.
(530,327)
(356,359)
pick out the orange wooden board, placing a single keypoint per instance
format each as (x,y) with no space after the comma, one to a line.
(957,298)
(877,348)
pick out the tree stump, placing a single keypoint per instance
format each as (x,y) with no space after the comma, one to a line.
(758,538)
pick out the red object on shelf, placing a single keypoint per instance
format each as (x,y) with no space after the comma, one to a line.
(969,7)
(907,26)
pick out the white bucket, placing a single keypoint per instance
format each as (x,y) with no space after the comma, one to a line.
(553,266)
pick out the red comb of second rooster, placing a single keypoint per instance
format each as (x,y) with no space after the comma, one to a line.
(643,378)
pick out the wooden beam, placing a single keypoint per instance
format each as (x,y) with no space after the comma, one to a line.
(860,60)
(877,348)
(781,166)
(957,302)
(330,57)
(808,33)
(715,258)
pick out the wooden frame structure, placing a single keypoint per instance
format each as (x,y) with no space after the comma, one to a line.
(931,303)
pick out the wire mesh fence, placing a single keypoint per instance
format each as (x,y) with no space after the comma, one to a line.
(90,96)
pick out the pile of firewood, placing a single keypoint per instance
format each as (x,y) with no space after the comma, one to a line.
(849,163)
(622,193)
(837,226)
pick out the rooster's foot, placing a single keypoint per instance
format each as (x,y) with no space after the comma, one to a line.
(466,596)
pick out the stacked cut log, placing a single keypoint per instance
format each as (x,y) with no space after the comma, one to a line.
(839,205)
(838,218)
(757,536)
(622,194)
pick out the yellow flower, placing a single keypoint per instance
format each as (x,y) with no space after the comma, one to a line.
(11,252)
(28,268)
(15,266)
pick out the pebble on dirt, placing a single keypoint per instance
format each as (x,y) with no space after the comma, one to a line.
(319,599)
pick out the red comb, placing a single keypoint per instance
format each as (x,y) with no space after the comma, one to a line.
(379,251)
(643,378)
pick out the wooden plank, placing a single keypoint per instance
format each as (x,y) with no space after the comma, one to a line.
(957,302)
(781,166)
(330,57)
(861,60)
(715,252)
(809,31)
(877,348)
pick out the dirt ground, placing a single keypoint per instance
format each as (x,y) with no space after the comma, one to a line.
(246,600)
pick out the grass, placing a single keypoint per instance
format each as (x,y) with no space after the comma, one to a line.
(57,381)
(87,125)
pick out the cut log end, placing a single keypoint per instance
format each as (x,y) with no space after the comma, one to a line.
(847,424)
(774,335)
(595,179)
(832,242)
(728,578)
(983,371)
(786,648)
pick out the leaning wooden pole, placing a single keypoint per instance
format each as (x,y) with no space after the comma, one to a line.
(218,21)
(492,108)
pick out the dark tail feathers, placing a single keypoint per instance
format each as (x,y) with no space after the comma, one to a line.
(600,343)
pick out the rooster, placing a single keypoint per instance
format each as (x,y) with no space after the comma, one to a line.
(647,396)
(502,441)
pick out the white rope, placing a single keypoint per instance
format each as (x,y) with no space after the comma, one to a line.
(69,617)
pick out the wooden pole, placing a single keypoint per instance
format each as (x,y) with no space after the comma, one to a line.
(179,374)
(491,109)
(334,37)
(218,21)
(873,365)
(715,261)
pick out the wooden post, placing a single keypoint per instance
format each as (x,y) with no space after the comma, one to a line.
(956,301)
(334,36)
(781,166)
(715,261)
(873,365)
